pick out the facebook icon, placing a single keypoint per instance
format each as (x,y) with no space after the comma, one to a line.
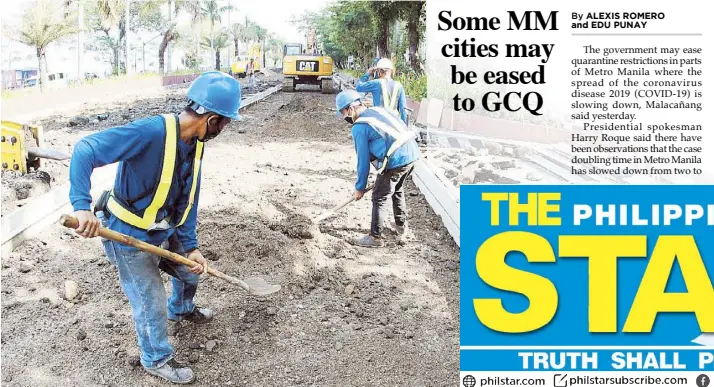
(703,380)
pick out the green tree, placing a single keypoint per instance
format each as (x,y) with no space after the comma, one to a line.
(352,30)
(239,33)
(216,42)
(213,11)
(44,22)
(106,16)
(385,12)
(415,14)
(274,48)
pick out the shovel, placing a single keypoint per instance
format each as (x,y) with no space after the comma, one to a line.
(331,212)
(256,286)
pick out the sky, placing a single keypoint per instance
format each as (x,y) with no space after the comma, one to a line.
(276,18)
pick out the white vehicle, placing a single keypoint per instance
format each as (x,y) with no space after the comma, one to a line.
(54,81)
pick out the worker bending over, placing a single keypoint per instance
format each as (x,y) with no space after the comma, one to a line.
(154,200)
(382,139)
(386,92)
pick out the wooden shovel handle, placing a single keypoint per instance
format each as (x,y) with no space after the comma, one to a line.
(70,221)
(341,206)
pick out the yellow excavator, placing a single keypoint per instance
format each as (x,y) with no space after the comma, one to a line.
(306,66)
(238,67)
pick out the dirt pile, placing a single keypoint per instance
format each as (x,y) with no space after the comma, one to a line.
(294,224)
(233,236)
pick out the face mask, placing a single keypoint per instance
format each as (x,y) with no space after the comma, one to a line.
(211,134)
(350,116)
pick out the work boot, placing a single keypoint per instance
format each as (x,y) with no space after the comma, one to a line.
(174,372)
(198,316)
(370,241)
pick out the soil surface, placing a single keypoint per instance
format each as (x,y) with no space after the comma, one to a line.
(345,315)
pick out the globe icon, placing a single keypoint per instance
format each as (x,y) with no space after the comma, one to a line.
(469,381)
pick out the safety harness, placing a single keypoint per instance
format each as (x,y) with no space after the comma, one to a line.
(146,219)
(390,102)
(394,132)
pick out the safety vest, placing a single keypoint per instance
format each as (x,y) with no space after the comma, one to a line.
(146,219)
(393,130)
(390,102)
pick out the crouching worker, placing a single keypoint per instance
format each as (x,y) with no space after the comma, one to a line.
(154,200)
(382,139)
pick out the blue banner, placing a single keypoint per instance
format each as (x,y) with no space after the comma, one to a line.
(583,266)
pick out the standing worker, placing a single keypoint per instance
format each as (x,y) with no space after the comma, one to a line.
(154,200)
(250,69)
(382,139)
(380,87)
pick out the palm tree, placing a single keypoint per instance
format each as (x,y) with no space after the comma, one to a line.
(67,7)
(275,49)
(43,23)
(240,33)
(217,42)
(111,16)
(213,11)
(127,7)
(194,9)
(260,34)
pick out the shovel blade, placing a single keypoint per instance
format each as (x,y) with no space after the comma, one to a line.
(259,287)
(322,217)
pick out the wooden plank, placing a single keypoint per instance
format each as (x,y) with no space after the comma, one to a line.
(438,198)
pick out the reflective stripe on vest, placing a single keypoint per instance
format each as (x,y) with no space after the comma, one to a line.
(394,128)
(148,218)
(390,102)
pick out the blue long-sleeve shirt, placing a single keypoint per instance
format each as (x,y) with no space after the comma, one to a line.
(369,144)
(374,86)
(138,146)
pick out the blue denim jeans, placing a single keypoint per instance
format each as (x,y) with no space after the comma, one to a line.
(141,282)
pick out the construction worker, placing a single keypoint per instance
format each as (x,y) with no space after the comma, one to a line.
(382,139)
(386,92)
(250,70)
(154,200)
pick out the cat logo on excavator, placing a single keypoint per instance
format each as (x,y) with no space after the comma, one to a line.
(307,65)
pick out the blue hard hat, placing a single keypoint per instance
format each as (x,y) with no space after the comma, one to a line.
(216,92)
(375,61)
(345,98)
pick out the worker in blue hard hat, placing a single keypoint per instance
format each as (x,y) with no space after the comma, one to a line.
(154,200)
(383,140)
(386,92)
